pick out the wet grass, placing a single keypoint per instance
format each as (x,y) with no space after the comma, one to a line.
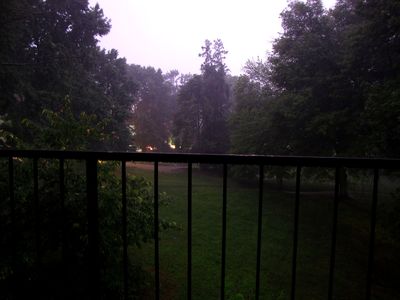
(315,227)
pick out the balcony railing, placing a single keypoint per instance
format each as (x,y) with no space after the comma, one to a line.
(92,159)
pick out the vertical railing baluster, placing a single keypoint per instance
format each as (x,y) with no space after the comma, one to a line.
(259,229)
(13,220)
(295,233)
(124,228)
(372,233)
(189,246)
(63,220)
(156,232)
(36,224)
(93,228)
(223,256)
(36,211)
(12,201)
(334,232)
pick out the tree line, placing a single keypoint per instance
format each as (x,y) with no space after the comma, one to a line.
(330,85)
(49,56)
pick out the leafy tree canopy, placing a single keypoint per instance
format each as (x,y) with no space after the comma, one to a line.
(203,105)
(49,51)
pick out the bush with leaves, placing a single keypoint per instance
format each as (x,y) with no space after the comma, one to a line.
(6,137)
(59,269)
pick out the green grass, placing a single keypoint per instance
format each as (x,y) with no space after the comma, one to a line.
(315,225)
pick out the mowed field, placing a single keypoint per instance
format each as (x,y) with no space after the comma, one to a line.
(314,245)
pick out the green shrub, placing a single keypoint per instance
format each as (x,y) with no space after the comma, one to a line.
(60,271)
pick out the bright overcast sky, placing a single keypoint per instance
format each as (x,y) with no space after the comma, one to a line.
(168,34)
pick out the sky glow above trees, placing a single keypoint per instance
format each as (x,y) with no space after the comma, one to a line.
(169,34)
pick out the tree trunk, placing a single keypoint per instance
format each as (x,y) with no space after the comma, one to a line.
(343,184)
(279,181)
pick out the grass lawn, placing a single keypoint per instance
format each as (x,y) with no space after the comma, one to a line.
(315,225)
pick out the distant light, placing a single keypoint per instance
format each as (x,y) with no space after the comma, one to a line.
(150,148)
(171,144)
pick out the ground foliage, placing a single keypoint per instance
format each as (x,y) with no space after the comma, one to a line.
(59,269)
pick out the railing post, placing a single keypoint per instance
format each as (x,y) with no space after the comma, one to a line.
(372,233)
(189,241)
(61,178)
(223,254)
(124,229)
(259,229)
(36,209)
(93,228)
(36,212)
(295,232)
(156,234)
(13,219)
(334,232)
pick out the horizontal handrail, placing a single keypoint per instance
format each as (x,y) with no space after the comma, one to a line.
(272,160)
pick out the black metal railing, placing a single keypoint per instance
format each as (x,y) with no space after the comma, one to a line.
(92,158)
